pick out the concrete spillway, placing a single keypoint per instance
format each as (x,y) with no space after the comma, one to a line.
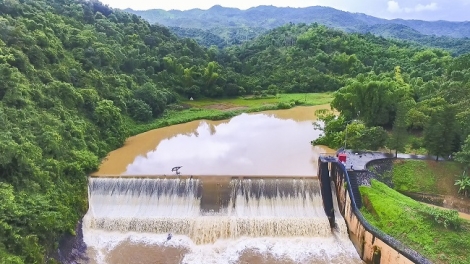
(205,210)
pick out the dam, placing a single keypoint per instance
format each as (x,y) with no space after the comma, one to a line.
(248,193)
(207,210)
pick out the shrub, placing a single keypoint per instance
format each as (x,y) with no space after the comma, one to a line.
(447,218)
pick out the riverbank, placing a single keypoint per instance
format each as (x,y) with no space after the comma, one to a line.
(417,176)
(430,182)
(220,109)
(418,207)
(432,232)
(252,101)
(72,248)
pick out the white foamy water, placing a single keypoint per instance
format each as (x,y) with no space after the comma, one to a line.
(282,218)
(298,250)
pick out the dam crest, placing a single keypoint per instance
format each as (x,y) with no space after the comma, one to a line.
(208,211)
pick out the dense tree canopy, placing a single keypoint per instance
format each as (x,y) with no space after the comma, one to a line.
(223,26)
(313,58)
(437,107)
(72,73)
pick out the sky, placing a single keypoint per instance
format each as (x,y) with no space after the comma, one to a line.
(452,10)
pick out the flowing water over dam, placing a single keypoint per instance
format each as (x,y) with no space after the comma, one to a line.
(200,212)
(219,219)
(256,208)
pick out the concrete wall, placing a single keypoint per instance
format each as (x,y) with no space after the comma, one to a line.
(365,242)
(370,247)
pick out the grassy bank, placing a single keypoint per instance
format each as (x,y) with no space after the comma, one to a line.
(219,109)
(426,176)
(419,226)
(253,102)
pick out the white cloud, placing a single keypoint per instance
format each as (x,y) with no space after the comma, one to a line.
(431,6)
(394,7)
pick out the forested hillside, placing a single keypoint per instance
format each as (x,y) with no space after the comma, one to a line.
(457,46)
(203,37)
(405,113)
(408,103)
(72,74)
(271,17)
(236,26)
(76,75)
(312,58)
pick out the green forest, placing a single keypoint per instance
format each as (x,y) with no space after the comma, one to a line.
(224,26)
(383,110)
(269,17)
(77,77)
(225,37)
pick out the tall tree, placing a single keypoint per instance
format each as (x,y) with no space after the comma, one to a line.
(440,132)
(375,97)
(397,140)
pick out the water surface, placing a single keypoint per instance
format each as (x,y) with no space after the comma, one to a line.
(217,219)
(244,221)
(266,143)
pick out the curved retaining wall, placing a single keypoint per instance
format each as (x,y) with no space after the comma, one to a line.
(327,195)
(380,169)
(373,245)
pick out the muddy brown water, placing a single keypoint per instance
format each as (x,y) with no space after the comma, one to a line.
(266,143)
(216,219)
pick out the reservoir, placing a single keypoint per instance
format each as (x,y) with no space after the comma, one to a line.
(267,143)
(247,193)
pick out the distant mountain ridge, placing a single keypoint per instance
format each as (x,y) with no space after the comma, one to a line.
(269,17)
(221,26)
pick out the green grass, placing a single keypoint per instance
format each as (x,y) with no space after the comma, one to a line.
(425,176)
(198,110)
(305,99)
(414,224)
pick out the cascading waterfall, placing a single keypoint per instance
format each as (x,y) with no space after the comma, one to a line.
(224,218)
(278,208)
(249,208)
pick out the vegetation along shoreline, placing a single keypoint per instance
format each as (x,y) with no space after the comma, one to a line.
(78,78)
